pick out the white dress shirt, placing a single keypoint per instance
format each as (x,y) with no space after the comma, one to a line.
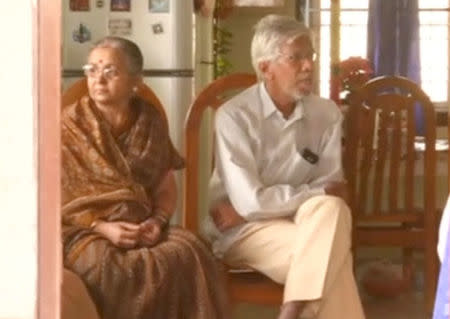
(258,161)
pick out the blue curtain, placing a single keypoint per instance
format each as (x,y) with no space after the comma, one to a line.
(393,41)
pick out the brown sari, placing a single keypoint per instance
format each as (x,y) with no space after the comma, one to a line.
(113,179)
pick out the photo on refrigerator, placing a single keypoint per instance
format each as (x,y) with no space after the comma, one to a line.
(159,6)
(79,5)
(120,5)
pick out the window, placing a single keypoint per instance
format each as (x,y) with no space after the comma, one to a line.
(434,23)
(433,18)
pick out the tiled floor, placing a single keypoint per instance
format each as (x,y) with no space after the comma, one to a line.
(408,305)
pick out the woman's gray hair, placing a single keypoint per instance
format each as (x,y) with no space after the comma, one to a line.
(130,49)
(271,33)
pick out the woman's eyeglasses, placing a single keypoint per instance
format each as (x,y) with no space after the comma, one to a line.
(109,72)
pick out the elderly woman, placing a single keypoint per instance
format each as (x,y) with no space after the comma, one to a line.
(118,194)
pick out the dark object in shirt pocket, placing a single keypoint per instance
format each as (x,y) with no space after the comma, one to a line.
(310,156)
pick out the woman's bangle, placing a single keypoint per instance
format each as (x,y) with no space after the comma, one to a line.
(94,224)
(161,216)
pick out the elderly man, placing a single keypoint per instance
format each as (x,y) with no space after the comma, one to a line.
(277,190)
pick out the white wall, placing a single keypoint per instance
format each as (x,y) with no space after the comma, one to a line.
(18,183)
(240,23)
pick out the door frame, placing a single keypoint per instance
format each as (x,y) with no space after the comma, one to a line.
(47,100)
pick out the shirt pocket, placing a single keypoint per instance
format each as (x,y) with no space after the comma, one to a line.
(290,169)
(300,170)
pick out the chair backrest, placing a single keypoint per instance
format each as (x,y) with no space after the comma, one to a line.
(79,89)
(383,152)
(213,96)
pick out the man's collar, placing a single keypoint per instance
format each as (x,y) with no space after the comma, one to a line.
(269,108)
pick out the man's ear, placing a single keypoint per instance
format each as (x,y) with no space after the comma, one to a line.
(264,68)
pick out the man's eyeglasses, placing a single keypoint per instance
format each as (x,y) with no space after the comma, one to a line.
(297,57)
(109,72)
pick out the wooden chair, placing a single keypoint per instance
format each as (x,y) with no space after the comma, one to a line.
(243,287)
(383,166)
(79,89)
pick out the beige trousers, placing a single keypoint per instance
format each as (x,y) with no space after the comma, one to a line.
(75,300)
(310,254)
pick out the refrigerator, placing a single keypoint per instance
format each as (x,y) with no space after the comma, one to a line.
(163,29)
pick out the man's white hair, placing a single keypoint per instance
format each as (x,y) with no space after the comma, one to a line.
(271,33)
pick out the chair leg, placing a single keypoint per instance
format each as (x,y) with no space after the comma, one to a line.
(430,278)
(408,264)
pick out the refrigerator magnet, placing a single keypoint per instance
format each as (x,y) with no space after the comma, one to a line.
(157,28)
(79,5)
(120,5)
(159,6)
(81,34)
(120,27)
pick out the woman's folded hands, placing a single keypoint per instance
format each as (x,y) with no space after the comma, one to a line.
(129,235)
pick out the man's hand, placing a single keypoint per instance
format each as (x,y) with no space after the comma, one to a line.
(339,189)
(121,234)
(225,216)
(150,232)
